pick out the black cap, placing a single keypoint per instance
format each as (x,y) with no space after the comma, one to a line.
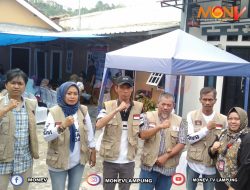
(125,80)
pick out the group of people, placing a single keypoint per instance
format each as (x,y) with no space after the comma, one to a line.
(217,145)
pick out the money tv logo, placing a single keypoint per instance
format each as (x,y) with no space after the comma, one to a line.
(178,179)
(221,13)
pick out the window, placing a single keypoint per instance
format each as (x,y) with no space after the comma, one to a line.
(230,3)
(245,38)
(213,38)
(69,61)
(232,38)
(210,81)
(154,79)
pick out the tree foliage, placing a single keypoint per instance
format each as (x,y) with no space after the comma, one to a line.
(55,9)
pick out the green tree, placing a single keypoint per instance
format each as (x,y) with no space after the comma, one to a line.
(56,9)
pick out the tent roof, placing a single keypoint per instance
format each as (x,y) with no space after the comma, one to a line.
(178,53)
(8,38)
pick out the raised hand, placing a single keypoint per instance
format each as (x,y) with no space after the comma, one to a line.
(165,124)
(123,106)
(68,121)
(216,146)
(211,125)
(13,104)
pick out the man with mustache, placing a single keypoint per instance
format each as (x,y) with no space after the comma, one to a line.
(165,137)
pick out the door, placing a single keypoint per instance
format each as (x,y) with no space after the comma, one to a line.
(233,87)
(41,65)
(20,58)
(56,66)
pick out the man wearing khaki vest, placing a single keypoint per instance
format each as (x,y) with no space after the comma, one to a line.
(203,126)
(18,139)
(120,119)
(165,137)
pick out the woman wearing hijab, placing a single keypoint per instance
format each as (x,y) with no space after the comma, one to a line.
(231,153)
(70,137)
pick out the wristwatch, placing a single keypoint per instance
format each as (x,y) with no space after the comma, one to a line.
(60,129)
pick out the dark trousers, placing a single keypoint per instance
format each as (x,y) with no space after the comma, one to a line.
(114,171)
(220,185)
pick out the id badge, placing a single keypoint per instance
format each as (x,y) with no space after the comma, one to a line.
(221,165)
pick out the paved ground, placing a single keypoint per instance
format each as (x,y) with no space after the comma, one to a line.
(40,167)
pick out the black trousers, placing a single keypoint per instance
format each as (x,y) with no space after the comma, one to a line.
(220,185)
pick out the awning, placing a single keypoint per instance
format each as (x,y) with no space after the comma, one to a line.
(9,38)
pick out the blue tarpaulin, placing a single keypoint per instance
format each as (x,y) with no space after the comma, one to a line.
(19,38)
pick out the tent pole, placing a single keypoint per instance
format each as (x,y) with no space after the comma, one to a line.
(180,94)
(103,86)
(246,93)
(170,83)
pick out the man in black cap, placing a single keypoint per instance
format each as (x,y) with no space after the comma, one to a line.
(120,120)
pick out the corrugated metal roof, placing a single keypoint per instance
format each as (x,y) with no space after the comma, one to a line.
(131,29)
(124,20)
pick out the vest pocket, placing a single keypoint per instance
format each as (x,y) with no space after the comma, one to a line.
(196,153)
(52,160)
(4,126)
(111,131)
(174,137)
(147,159)
(132,149)
(2,150)
(106,150)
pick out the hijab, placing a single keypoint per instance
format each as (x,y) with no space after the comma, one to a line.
(243,122)
(68,109)
(230,144)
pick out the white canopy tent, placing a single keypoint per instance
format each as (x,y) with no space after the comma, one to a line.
(177,53)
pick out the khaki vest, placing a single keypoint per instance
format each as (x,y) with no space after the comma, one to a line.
(7,132)
(198,152)
(58,149)
(151,146)
(110,146)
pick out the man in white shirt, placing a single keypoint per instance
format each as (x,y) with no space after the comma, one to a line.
(203,126)
(120,120)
